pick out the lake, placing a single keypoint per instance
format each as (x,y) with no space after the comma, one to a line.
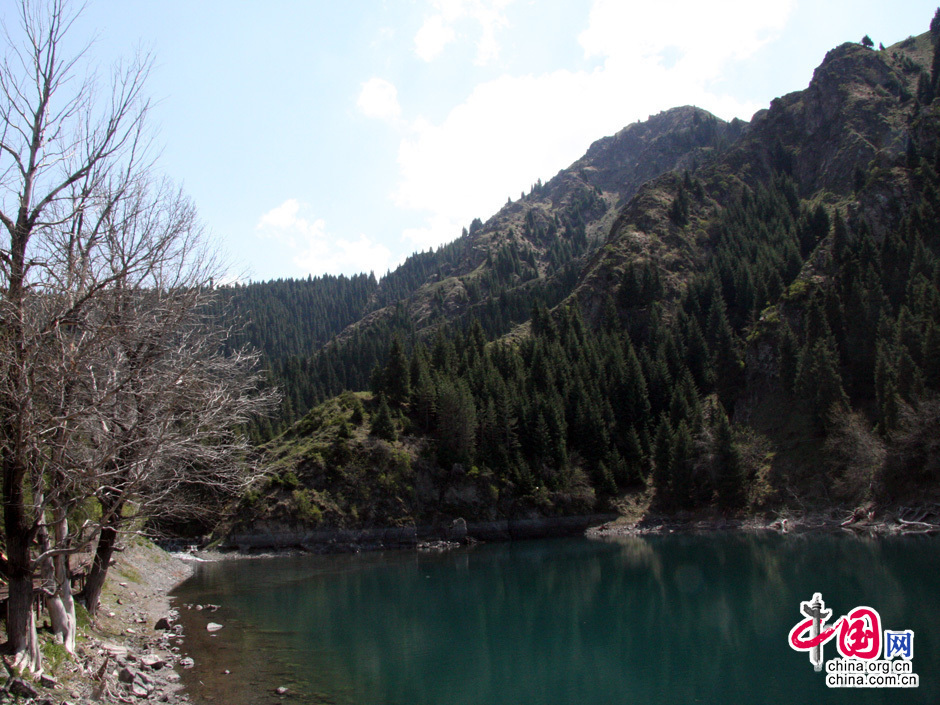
(663,619)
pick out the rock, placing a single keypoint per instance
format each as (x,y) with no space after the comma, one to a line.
(187,662)
(163,624)
(141,691)
(48,681)
(115,650)
(18,686)
(213,626)
(458,530)
(152,661)
(281,690)
(127,675)
(198,607)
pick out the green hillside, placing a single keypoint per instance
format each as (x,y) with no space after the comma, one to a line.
(751,324)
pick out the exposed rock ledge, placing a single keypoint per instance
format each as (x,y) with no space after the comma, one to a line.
(266,537)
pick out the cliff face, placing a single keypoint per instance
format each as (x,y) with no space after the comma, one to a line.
(528,242)
(843,140)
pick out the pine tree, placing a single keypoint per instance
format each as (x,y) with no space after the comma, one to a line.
(818,380)
(729,471)
(726,361)
(931,356)
(680,467)
(456,424)
(662,457)
(383,425)
(788,355)
(396,377)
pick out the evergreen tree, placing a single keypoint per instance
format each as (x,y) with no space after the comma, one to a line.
(788,355)
(729,472)
(396,376)
(662,458)
(680,467)
(383,425)
(456,424)
(818,380)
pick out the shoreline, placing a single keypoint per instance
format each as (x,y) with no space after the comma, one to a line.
(144,658)
(123,657)
(867,520)
(281,540)
(870,522)
(832,522)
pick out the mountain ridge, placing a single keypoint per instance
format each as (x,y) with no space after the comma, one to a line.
(760,326)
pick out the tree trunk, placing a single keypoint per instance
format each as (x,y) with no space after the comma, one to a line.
(99,568)
(61,605)
(22,642)
(56,573)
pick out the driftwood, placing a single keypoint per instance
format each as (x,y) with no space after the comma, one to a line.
(915,518)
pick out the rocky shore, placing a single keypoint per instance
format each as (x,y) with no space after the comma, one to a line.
(867,519)
(130,652)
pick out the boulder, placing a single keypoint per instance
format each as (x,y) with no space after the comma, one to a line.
(457,531)
(152,661)
(18,686)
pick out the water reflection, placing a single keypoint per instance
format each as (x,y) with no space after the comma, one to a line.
(646,620)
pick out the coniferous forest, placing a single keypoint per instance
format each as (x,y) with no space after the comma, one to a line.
(756,326)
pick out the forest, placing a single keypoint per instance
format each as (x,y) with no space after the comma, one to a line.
(777,343)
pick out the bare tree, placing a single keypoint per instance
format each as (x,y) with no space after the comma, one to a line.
(113,384)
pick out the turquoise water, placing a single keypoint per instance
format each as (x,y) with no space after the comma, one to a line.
(667,619)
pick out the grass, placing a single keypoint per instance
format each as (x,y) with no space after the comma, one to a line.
(53,653)
(130,573)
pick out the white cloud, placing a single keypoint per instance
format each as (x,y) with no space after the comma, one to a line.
(433,36)
(439,28)
(514,129)
(706,35)
(314,250)
(379,99)
(438,229)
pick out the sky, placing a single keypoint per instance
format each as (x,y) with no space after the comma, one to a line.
(318,136)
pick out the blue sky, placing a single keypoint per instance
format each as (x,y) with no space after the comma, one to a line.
(326,136)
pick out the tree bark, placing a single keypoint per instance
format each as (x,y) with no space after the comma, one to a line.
(91,594)
(22,641)
(59,602)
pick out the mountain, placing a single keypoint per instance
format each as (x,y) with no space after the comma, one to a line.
(322,335)
(854,119)
(534,238)
(718,317)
